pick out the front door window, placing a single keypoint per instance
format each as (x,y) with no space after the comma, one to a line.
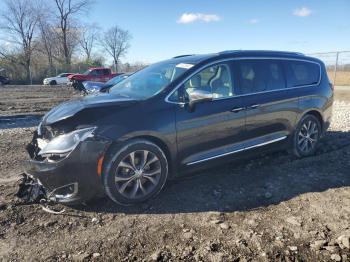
(216,79)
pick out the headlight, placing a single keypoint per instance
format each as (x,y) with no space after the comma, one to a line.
(64,144)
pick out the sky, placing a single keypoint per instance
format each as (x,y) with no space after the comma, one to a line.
(162,29)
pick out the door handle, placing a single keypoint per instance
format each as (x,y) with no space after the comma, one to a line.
(253,106)
(238,109)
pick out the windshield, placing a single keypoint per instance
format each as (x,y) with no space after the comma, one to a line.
(150,80)
(116,80)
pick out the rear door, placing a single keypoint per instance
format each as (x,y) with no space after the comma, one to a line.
(271,108)
(62,79)
(212,129)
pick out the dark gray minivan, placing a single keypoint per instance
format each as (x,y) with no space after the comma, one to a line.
(178,115)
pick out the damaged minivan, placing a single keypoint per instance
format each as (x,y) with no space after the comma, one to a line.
(185,113)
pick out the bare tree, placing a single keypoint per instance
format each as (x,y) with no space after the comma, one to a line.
(67,9)
(88,38)
(116,41)
(19,22)
(48,40)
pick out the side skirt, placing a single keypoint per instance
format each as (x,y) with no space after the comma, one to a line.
(249,145)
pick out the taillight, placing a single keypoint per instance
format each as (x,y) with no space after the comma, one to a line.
(331,86)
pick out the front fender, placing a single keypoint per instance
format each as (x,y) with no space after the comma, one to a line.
(167,141)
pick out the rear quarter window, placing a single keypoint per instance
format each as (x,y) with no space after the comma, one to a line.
(302,73)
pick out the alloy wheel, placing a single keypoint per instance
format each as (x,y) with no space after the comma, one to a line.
(308,136)
(138,174)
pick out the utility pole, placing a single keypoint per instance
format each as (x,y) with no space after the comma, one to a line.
(335,68)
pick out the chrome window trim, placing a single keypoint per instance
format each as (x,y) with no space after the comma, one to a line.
(244,58)
(237,151)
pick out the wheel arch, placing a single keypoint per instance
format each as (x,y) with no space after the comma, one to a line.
(159,142)
(316,113)
(151,138)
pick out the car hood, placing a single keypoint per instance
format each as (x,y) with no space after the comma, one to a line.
(72,107)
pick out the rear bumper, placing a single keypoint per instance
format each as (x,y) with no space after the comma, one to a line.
(74,178)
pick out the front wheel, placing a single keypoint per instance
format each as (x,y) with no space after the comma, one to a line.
(135,172)
(306,136)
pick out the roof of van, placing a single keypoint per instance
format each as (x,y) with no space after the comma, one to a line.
(259,52)
(240,53)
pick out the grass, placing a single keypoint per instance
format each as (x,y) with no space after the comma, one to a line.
(342,78)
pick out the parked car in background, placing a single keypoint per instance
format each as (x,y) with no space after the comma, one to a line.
(96,74)
(182,114)
(61,79)
(4,80)
(95,87)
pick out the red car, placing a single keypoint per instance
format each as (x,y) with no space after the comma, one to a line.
(96,74)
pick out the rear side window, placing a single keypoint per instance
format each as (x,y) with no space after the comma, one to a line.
(98,72)
(260,75)
(94,72)
(301,73)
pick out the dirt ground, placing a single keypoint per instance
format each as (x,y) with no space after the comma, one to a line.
(271,208)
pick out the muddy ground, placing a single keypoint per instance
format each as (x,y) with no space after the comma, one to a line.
(271,208)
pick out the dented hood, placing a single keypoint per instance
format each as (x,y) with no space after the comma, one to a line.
(70,108)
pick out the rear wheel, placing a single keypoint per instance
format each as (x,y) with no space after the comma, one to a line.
(306,136)
(135,173)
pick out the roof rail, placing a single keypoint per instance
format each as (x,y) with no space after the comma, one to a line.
(181,56)
(260,51)
(229,52)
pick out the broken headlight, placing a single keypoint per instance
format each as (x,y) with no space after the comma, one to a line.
(64,144)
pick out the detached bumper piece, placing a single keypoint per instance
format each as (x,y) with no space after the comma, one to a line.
(30,191)
(71,179)
(78,85)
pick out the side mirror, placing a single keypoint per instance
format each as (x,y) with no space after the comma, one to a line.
(199,96)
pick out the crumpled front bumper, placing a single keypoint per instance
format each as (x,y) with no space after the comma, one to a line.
(75,177)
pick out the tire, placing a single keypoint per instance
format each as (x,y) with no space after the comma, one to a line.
(139,178)
(53,83)
(306,136)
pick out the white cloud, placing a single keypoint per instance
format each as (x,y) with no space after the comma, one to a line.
(187,18)
(254,21)
(303,12)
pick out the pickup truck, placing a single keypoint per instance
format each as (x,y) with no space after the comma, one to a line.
(96,74)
